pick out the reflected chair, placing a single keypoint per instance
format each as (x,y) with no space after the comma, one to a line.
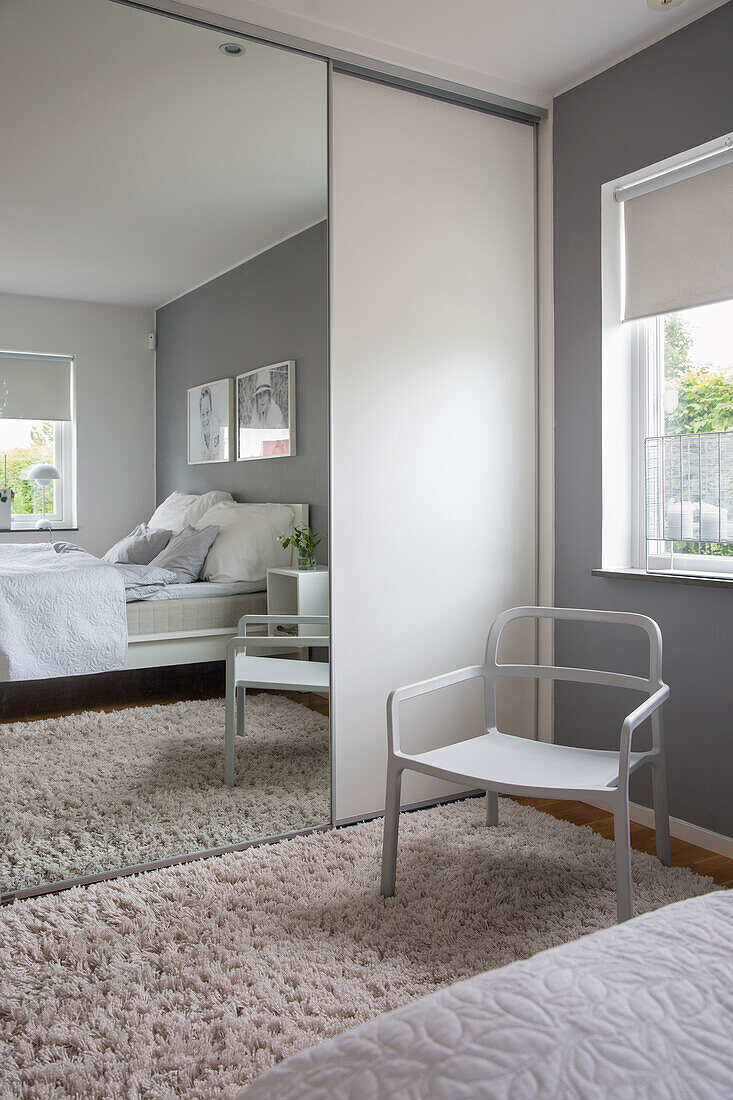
(496,761)
(248,670)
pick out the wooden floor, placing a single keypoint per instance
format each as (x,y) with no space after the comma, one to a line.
(699,860)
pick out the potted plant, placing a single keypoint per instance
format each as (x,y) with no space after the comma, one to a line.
(305,542)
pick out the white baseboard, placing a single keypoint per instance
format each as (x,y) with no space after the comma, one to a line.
(685,830)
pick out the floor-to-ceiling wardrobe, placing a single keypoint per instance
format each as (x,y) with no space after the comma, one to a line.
(433,417)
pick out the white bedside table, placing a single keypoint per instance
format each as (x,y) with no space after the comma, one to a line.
(298,592)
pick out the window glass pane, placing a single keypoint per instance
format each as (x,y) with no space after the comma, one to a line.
(698,400)
(698,370)
(24,443)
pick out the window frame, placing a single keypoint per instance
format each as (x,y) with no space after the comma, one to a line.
(647,350)
(628,410)
(64,459)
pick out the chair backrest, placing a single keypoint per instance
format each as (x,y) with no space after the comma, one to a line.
(494,670)
(286,641)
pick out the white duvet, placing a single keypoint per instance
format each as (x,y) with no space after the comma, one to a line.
(641,1011)
(62,611)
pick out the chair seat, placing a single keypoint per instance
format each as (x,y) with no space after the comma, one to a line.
(507,762)
(278,672)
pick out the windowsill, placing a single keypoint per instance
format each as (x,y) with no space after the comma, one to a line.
(669,578)
(32,530)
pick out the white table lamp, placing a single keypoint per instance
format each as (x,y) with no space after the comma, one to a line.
(44,475)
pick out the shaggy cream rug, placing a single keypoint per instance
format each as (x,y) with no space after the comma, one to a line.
(95,791)
(190,981)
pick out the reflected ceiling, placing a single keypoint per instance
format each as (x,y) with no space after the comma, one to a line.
(138,161)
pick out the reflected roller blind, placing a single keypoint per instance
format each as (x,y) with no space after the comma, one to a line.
(679,244)
(35,388)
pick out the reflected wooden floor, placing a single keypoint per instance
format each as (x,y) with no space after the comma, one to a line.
(699,860)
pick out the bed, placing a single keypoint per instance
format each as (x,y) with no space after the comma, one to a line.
(640,1010)
(192,623)
(66,613)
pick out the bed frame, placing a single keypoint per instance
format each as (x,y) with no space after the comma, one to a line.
(193,646)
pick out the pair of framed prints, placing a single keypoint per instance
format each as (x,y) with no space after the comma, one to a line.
(250,417)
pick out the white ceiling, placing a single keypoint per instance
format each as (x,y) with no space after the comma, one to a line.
(539,46)
(138,161)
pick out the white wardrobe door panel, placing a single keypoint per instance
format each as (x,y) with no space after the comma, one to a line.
(433,416)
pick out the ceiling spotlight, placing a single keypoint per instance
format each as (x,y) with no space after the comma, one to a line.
(660,5)
(233,49)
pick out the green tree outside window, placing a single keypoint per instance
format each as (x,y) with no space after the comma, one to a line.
(41,449)
(705,404)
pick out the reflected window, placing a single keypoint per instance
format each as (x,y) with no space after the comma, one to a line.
(37,429)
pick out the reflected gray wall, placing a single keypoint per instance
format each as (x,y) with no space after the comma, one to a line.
(271,308)
(675,95)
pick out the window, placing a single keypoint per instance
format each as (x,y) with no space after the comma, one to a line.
(668,365)
(37,427)
(687,464)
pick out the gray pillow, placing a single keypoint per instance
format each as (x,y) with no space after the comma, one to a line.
(139,547)
(186,553)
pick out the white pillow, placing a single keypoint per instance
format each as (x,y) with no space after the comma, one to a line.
(246,546)
(181,510)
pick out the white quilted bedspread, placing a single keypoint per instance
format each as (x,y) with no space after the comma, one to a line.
(641,1011)
(59,616)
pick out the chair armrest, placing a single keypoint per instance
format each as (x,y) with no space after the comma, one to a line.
(235,645)
(634,720)
(422,687)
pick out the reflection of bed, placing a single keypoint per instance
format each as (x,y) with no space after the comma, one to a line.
(643,1009)
(190,623)
(187,626)
(66,613)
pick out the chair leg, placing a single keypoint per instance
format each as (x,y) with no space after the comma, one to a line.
(230,724)
(492,808)
(241,698)
(661,813)
(391,830)
(622,839)
(659,795)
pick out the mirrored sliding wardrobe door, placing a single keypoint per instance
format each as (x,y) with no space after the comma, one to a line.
(163,441)
(433,405)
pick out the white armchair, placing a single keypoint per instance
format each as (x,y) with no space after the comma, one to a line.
(245,670)
(497,762)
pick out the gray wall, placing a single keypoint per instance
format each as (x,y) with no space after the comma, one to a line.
(668,98)
(272,308)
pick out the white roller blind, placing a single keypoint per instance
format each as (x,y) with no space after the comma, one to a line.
(35,389)
(679,245)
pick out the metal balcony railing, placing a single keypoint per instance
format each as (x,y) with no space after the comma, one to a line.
(689,488)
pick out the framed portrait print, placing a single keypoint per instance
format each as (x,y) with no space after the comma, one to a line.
(210,420)
(266,412)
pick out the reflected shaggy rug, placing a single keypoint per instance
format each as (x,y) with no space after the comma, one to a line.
(190,981)
(97,791)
